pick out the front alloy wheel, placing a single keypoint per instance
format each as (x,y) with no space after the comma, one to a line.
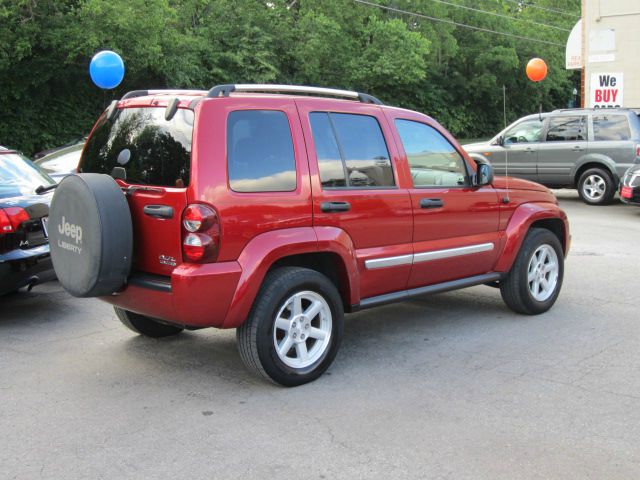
(533,284)
(543,273)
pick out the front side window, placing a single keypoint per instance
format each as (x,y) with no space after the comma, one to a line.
(611,127)
(529,131)
(260,152)
(432,159)
(351,151)
(567,129)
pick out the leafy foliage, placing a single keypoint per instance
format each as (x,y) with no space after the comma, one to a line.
(453,73)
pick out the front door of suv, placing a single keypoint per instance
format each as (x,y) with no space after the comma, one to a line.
(518,156)
(354,180)
(455,231)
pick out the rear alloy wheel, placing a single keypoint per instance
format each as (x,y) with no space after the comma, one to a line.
(294,329)
(147,326)
(595,187)
(533,284)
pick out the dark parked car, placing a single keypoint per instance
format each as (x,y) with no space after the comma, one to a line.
(630,186)
(61,162)
(24,248)
(587,149)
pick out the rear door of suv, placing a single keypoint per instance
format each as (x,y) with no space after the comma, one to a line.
(356,187)
(566,141)
(611,137)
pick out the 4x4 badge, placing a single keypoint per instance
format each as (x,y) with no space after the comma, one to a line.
(167,260)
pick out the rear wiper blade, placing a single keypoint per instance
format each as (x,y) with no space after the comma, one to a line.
(42,189)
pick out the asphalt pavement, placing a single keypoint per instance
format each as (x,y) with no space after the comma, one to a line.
(452,386)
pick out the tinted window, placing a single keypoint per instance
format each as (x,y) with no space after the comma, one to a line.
(332,170)
(152,150)
(611,127)
(432,159)
(525,132)
(19,176)
(567,129)
(260,152)
(359,142)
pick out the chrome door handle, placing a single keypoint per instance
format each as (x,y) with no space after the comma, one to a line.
(431,203)
(158,211)
(335,206)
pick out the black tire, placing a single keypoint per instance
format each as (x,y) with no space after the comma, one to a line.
(516,288)
(257,340)
(146,326)
(602,177)
(90,235)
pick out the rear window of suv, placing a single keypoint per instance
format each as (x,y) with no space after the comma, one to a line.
(152,150)
(567,129)
(611,127)
(351,151)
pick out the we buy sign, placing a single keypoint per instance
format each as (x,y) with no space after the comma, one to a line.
(606,90)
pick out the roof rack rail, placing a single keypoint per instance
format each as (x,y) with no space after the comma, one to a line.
(168,91)
(225,90)
(593,108)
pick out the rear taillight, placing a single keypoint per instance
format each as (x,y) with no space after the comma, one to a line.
(11,218)
(637,150)
(201,234)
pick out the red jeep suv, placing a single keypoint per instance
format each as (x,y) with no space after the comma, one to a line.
(275,209)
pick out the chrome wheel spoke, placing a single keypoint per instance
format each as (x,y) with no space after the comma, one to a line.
(296,308)
(283,323)
(285,346)
(313,310)
(317,333)
(301,352)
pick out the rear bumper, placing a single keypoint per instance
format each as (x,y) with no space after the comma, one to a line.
(634,199)
(194,296)
(19,268)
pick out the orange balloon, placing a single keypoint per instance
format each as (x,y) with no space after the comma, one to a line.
(536,70)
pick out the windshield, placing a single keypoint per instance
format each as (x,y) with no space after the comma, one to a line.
(65,162)
(20,176)
(152,150)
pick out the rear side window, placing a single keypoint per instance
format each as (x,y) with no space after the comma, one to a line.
(152,150)
(567,129)
(432,159)
(611,127)
(351,151)
(260,152)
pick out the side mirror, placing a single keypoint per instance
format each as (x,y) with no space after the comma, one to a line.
(484,175)
(500,141)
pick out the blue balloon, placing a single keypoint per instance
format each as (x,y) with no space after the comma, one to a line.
(106,69)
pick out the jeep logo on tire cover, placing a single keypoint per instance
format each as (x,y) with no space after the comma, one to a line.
(72,231)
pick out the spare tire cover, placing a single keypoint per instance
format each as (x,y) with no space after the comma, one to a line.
(90,234)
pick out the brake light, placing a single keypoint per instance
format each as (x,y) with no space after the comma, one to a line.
(11,218)
(201,237)
(637,150)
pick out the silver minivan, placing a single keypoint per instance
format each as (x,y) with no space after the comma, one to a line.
(587,149)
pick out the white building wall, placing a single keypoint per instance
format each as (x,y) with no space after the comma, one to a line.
(611,44)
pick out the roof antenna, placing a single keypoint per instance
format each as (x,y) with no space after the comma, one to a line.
(505,199)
